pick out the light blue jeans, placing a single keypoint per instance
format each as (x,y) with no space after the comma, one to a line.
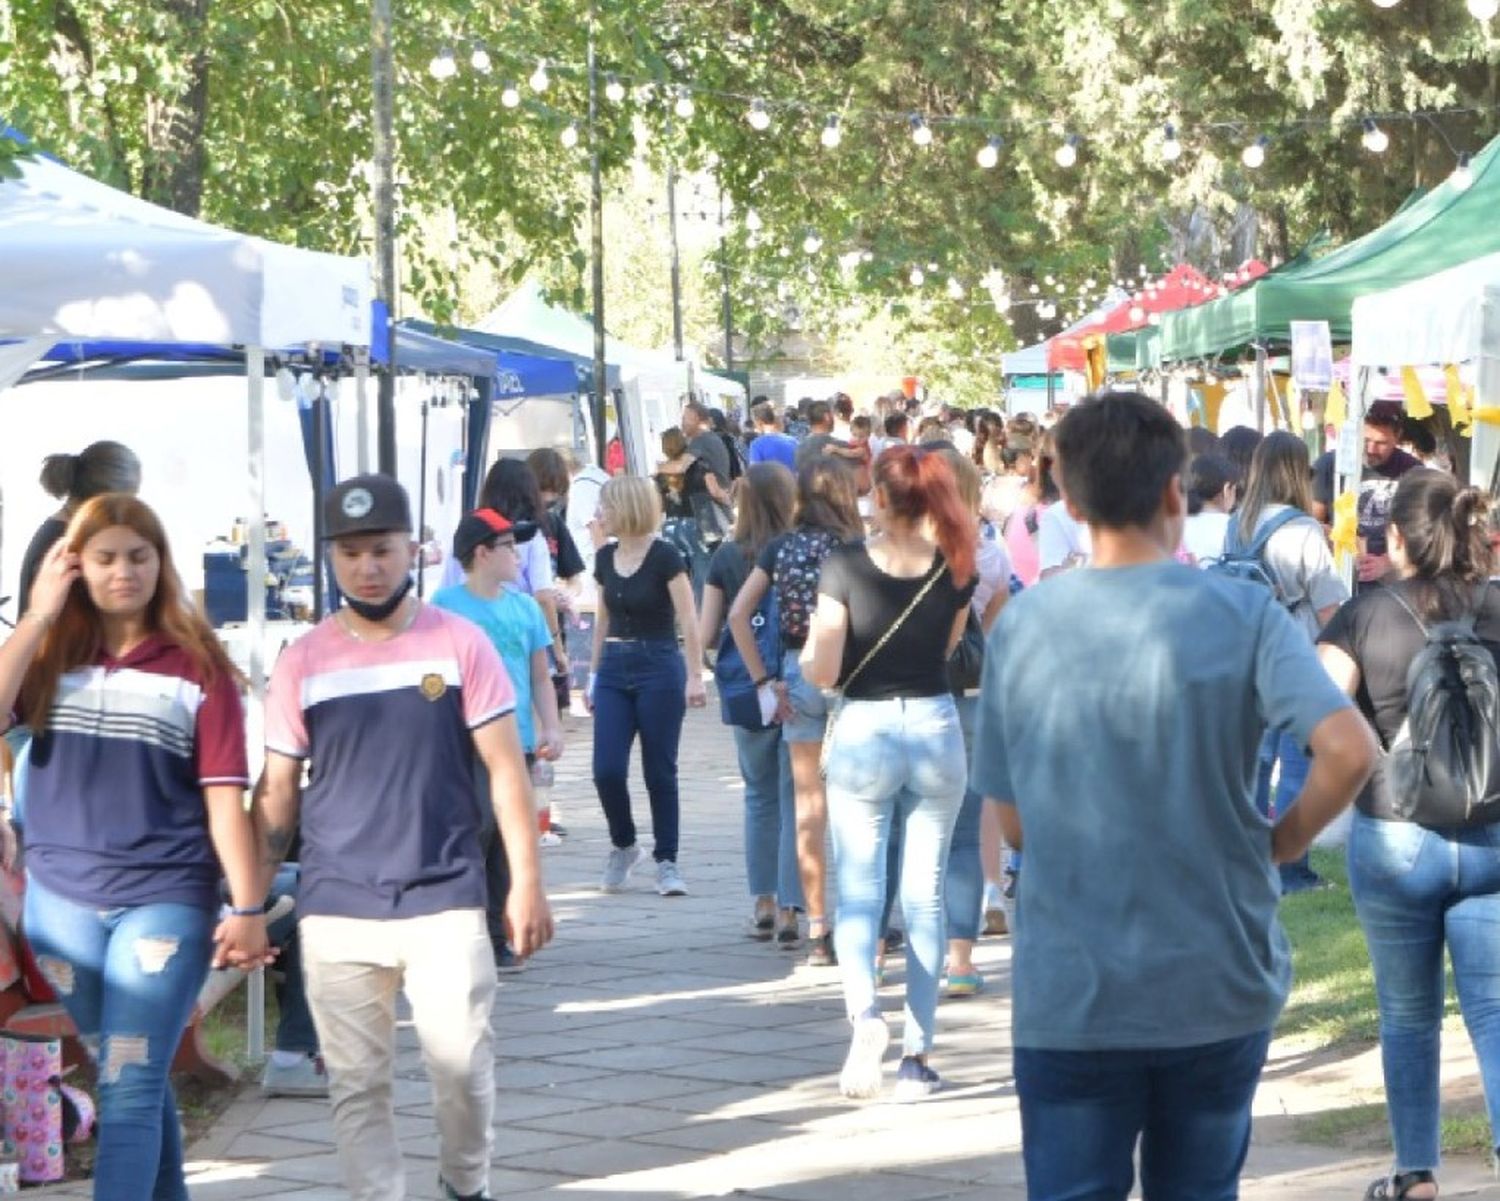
(963,888)
(770,816)
(894,759)
(129,979)
(1417,891)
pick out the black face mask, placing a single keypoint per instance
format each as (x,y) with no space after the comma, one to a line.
(385,608)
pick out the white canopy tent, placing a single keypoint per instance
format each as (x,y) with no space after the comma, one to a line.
(86,262)
(653,381)
(1448,319)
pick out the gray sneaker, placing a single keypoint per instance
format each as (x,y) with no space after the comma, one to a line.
(669,880)
(305,1078)
(619,865)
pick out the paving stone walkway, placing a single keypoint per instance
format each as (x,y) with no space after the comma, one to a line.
(654,1051)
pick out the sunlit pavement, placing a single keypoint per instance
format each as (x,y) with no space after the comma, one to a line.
(655,1051)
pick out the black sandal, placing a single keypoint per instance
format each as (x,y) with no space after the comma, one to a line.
(1399,1186)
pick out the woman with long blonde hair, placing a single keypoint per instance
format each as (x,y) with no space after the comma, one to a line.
(136,809)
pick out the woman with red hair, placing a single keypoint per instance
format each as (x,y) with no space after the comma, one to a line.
(136,787)
(889,614)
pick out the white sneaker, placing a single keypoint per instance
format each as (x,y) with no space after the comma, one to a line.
(862,1067)
(306,1078)
(617,868)
(669,881)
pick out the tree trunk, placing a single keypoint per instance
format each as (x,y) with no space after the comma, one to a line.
(174,124)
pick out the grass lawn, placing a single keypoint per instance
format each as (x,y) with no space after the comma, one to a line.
(1333,1004)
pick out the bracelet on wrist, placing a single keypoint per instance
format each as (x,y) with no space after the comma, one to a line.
(764,680)
(247,911)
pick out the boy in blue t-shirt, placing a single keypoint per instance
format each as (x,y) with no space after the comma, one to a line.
(485,545)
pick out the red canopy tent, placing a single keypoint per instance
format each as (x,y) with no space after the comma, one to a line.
(1181,288)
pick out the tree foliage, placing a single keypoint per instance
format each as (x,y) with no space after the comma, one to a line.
(256,114)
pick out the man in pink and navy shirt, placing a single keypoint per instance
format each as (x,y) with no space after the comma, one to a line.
(386,703)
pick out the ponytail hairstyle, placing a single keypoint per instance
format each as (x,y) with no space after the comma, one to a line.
(1446,531)
(77,636)
(916,484)
(100,467)
(1043,479)
(828,498)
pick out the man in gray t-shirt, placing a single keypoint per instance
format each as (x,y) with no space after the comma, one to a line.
(1149,964)
(703,443)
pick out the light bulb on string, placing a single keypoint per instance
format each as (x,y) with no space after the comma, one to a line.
(443,65)
(831,135)
(1171,148)
(614,90)
(1374,139)
(1254,155)
(1386,3)
(480,60)
(1463,175)
(510,95)
(921,132)
(917,277)
(1034,290)
(955,289)
(684,107)
(1483,10)
(1137,314)
(1066,155)
(866,256)
(989,154)
(569,136)
(752,221)
(539,78)
(759,116)
(812,243)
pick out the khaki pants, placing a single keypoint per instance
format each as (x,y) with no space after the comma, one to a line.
(445,964)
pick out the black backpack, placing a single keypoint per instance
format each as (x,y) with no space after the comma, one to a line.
(1443,766)
(1241,562)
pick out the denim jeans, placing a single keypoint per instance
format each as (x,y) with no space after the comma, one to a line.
(294,1029)
(1416,890)
(963,887)
(640,689)
(809,706)
(129,979)
(888,758)
(770,816)
(1082,1113)
(1275,746)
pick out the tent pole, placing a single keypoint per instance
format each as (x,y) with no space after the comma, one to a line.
(362,408)
(1260,387)
(320,435)
(255,365)
(422,506)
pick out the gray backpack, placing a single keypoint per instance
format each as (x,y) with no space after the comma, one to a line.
(1443,766)
(1241,562)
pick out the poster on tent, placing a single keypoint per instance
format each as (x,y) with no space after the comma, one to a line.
(1312,356)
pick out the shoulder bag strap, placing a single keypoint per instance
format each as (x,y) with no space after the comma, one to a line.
(895,625)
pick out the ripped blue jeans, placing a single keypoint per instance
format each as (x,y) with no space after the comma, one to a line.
(129,979)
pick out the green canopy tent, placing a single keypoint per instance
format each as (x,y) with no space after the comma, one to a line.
(1447,226)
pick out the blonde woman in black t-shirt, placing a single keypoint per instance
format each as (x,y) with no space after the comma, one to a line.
(889,614)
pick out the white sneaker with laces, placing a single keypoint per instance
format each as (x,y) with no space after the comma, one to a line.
(669,881)
(305,1078)
(617,868)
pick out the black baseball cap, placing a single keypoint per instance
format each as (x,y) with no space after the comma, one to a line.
(482,526)
(366,504)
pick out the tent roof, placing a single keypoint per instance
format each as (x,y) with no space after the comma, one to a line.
(1441,229)
(1439,320)
(83,260)
(1029,360)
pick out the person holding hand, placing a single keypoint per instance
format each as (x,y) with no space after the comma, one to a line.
(639,682)
(136,784)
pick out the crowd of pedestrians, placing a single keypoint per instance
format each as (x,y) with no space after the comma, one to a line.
(1005,677)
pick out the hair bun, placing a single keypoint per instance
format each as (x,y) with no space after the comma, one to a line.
(60,474)
(1470,506)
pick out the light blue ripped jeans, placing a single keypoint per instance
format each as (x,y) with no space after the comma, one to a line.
(129,979)
(899,758)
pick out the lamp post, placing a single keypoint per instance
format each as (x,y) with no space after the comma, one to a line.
(596,238)
(383,79)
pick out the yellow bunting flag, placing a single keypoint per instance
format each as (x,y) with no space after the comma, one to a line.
(1417,403)
(1336,411)
(1458,399)
(1345,535)
(1487,414)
